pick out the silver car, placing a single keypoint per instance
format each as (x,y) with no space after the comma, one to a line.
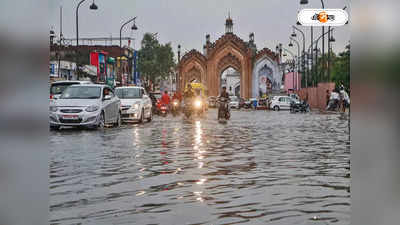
(57,88)
(90,105)
(234,102)
(135,104)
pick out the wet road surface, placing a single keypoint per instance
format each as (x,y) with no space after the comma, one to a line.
(261,168)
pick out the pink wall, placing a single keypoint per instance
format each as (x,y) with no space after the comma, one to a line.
(289,81)
(316,95)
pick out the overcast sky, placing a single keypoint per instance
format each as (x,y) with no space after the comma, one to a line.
(186,22)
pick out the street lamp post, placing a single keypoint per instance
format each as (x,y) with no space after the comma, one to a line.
(304,2)
(294,63)
(330,40)
(120,37)
(304,46)
(93,6)
(316,44)
(298,55)
(120,30)
(178,81)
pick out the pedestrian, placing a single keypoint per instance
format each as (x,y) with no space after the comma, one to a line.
(255,104)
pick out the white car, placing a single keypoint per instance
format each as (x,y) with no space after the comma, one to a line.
(57,88)
(234,102)
(136,105)
(88,105)
(281,103)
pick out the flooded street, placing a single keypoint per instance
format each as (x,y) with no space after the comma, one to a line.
(262,167)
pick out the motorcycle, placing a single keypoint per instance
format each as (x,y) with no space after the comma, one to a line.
(333,104)
(192,107)
(164,110)
(175,107)
(247,104)
(223,109)
(299,107)
(188,108)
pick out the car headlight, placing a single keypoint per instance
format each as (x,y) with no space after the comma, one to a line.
(136,106)
(92,108)
(175,103)
(125,106)
(53,108)
(197,103)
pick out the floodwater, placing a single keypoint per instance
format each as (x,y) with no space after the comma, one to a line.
(262,167)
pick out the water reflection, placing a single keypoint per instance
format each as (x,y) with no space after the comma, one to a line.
(260,168)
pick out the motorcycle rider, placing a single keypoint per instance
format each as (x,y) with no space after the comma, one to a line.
(223,94)
(188,97)
(189,93)
(175,99)
(165,99)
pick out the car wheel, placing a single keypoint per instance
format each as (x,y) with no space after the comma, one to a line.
(118,122)
(54,127)
(102,121)
(141,116)
(150,117)
(276,108)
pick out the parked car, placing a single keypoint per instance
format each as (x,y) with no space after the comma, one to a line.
(88,105)
(234,102)
(241,102)
(135,104)
(282,103)
(57,88)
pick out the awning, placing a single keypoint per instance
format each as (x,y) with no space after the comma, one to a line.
(90,70)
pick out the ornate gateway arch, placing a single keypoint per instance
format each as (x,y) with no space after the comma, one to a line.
(229,51)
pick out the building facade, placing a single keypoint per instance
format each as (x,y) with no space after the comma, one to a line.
(258,70)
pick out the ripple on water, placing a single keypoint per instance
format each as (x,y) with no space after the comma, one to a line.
(260,168)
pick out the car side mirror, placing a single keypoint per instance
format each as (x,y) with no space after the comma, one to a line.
(107,97)
(144,96)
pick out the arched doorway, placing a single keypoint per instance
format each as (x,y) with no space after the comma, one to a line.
(230,78)
(229,72)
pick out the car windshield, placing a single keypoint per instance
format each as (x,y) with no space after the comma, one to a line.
(57,89)
(81,92)
(128,93)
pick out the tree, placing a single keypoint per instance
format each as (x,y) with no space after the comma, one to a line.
(155,60)
(341,69)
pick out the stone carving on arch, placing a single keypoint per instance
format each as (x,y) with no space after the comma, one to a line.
(230,39)
(193,74)
(192,66)
(193,54)
(266,52)
(229,61)
(229,53)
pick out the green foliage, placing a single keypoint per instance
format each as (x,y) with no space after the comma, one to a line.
(341,68)
(155,60)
